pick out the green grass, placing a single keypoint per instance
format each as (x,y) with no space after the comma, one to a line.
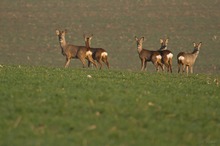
(29,30)
(57,106)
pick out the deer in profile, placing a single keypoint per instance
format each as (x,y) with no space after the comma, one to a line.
(147,55)
(73,51)
(187,60)
(98,54)
(167,55)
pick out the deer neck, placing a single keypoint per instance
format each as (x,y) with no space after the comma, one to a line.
(63,45)
(63,42)
(139,48)
(163,48)
(87,44)
(195,53)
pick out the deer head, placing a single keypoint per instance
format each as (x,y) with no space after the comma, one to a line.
(139,41)
(87,39)
(61,35)
(197,46)
(164,43)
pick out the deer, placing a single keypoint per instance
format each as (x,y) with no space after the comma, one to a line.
(98,54)
(167,55)
(187,60)
(148,55)
(72,51)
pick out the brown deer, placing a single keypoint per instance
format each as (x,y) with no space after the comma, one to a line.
(187,60)
(167,55)
(98,54)
(147,55)
(73,51)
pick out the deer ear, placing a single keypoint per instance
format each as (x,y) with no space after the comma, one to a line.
(57,32)
(142,38)
(199,45)
(136,38)
(91,36)
(167,40)
(161,41)
(194,44)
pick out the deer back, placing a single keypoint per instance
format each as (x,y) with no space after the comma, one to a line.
(71,50)
(187,58)
(147,54)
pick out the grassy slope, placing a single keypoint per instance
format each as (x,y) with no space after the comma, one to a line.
(28,29)
(56,106)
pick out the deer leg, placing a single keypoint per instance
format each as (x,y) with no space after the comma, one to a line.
(157,66)
(143,64)
(179,66)
(91,60)
(105,60)
(167,66)
(191,69)
(161,65)
(183,67)
(170,65)
(187,69)
(89,63)
(67,62)
(107,63)
(83,61)
(100,63)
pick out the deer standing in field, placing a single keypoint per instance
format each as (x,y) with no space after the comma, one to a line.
(167,55)
(73,51)
(147,55)
(187,60)
(98,54)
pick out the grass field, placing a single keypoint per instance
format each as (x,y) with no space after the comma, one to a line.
(28,30)
(54,106)
(43,104)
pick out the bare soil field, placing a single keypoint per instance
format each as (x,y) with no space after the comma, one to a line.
(28,30)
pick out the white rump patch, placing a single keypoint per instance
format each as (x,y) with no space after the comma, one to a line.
(104,54)
(181,58)
(88,53)
(158,56)
(170,55)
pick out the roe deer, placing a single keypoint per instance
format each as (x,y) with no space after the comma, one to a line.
(187,60)
(167,55)
(72,51)
(147,55)
(98,54)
